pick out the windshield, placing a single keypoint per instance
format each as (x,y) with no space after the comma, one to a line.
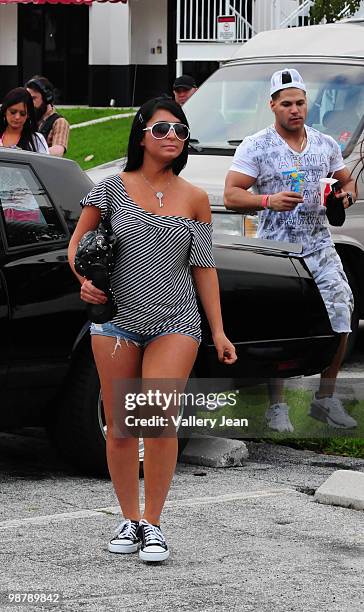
(234,103)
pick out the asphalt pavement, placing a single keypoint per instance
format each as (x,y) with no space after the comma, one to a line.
(247,538)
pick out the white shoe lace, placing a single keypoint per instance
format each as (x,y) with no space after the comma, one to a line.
(153,534)
(126,529)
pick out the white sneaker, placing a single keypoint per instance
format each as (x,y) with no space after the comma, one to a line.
(126,538)
(331,411)
(278,419)
(153,546)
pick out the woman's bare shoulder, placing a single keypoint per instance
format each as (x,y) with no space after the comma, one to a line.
(194,192)
(198,199)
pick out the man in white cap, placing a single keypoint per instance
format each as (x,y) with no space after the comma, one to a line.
(283,164)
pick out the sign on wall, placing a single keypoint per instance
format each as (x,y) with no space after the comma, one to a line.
(226,28)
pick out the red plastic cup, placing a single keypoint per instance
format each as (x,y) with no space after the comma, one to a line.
(325,188)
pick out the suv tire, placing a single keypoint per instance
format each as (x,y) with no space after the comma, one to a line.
(78,429)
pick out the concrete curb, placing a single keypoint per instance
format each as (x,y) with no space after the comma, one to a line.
(100,120)
(343,488)
(214,452)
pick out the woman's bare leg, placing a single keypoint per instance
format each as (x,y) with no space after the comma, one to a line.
(122,453)
(168,357)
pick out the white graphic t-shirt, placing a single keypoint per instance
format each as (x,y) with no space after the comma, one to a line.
(267,157)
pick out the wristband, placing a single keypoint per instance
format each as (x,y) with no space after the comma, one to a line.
(265,200)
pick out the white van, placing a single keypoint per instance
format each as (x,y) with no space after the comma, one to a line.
(234,102)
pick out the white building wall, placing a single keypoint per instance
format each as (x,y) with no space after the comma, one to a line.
(8,34)
(109,34)
(148,31)
(205,52)
(268,14)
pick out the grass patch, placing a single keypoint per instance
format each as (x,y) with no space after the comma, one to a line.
(346,447)
(105,141)
(308,432)
(79,115)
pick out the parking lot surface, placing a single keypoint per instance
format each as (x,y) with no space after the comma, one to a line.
(245,538)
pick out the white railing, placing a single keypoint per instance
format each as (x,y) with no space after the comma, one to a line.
(301,14)
(298,17)
(197,19)
(345,12)
(243,10)
(274,14)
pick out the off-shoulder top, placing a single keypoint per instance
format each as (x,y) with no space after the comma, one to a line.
(152,279)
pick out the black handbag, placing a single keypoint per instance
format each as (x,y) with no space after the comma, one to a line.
(95,260)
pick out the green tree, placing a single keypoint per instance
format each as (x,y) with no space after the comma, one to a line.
(330,9)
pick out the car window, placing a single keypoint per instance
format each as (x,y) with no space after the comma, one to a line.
(27,213)
(234,102)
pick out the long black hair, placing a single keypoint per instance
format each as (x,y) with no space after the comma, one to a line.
(135,154)
(17,96)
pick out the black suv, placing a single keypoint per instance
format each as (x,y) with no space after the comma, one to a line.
(272,310)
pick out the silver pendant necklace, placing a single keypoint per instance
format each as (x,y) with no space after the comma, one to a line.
(158,194)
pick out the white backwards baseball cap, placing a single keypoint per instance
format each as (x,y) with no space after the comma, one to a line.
(283,79)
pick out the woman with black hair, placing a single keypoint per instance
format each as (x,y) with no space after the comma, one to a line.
(163,227)
(18,127)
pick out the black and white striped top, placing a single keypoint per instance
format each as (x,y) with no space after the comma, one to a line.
(152,280)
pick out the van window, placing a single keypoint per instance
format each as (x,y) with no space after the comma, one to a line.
(234,103)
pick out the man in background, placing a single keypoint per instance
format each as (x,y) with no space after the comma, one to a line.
(51,124)
(284,163)
(183,88)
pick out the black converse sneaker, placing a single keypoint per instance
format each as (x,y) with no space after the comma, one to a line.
(153,546)
(126,539)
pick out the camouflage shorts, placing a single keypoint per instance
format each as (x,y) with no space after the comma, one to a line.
(327,271)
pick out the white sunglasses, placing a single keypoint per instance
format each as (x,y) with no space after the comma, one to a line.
(161,129)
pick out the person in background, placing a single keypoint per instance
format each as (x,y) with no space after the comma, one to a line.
(18,126)
(283,164)
(51,124)
(183,88)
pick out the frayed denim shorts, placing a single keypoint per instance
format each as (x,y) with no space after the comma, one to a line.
(142,340)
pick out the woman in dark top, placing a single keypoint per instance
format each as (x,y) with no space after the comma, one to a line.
(163,226)
(18,127)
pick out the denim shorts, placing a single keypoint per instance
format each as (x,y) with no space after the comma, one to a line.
(142,340)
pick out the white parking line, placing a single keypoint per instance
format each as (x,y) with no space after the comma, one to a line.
(221,499)
(115,510)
